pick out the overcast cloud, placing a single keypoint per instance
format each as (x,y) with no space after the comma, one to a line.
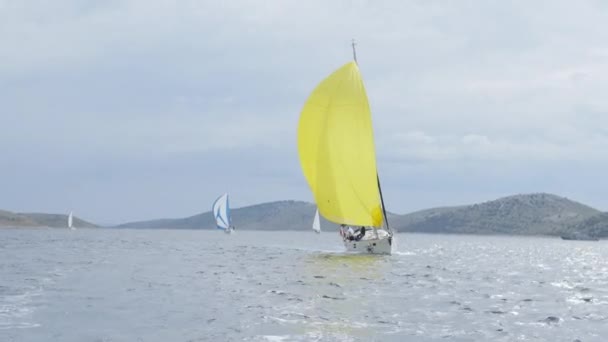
(125,110)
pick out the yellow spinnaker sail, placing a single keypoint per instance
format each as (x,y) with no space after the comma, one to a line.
(336,148)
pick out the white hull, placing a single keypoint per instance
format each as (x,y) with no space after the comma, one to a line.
(373,241)
(372,245)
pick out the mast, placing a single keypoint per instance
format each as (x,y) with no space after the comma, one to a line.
(353,43)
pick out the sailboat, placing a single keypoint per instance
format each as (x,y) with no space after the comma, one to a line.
(70,222)
(337,156)
(316,224)
(221,213)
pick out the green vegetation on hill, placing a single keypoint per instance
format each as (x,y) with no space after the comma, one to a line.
(594,227)
(10,219)
(529,214)
(280,215)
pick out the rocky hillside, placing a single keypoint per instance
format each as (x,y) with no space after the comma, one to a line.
(531,214)
(594,227)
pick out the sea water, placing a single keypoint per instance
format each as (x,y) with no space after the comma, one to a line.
(196,285)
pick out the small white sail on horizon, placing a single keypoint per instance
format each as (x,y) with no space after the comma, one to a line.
(316,224)
(70,220)
(221,213)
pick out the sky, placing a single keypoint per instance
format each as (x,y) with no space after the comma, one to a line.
(140,109)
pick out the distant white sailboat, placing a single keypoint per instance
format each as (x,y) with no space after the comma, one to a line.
(221,214)
(316,224)
(70,219)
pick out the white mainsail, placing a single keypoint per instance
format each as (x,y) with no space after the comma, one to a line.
(70,221)
(221,212)
(316,224)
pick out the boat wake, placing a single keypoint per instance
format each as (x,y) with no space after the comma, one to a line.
(404,253)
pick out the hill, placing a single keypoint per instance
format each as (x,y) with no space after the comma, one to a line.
(58,220)
(593,227)
(10,219)
(530,214)
(527,214)
(279,215)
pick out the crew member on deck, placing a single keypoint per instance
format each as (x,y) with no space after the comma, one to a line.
(361,233)
(350,233)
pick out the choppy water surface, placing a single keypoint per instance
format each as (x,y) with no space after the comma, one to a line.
(161,285)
